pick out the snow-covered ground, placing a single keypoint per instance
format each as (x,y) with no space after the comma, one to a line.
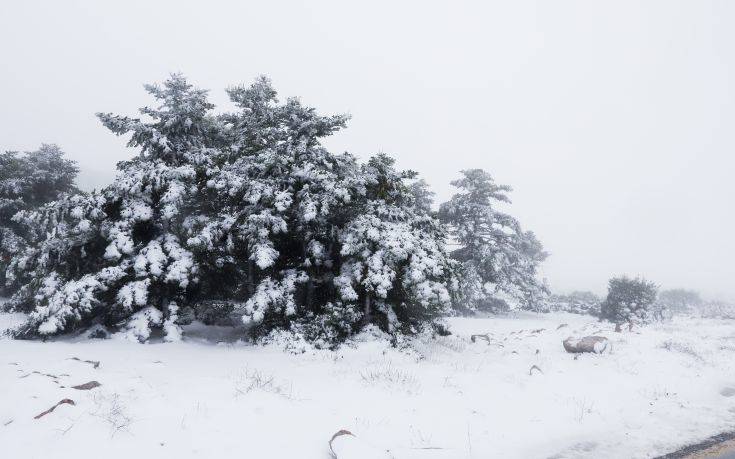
(662,386)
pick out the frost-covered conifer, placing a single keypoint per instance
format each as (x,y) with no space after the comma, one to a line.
(112,255)
(499,261)
(28,181)
(246,211)
(422,194)
(394,253)
(296,216)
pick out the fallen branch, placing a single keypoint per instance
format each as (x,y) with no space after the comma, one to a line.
(562,326)
(48,375)
(95,363)
(473,338)
(338,434)
(534,367)
(62,402)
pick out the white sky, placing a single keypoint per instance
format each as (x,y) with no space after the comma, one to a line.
(613,121)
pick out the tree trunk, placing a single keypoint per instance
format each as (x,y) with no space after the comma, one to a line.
(309,293)
(367,311)
(251,287)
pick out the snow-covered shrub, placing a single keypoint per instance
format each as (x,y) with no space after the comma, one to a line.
(333,325)
(27,182)
(391,378)
(498,260)
(578,302)
(253,380)
(629,300)
(716,310)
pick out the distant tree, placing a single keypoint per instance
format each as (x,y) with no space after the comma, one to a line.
(679,301)
(578,302)
(498,260)
(629,300)
(28,181)
(717,309)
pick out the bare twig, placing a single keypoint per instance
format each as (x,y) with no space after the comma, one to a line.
(112,410)
(48,375)
(95,363)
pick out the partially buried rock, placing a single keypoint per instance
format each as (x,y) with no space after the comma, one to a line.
(594,344)
(87,386)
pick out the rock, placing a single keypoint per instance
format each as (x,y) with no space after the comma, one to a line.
(87,386)
(594,344)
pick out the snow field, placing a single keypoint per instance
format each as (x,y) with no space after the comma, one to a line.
(660,387)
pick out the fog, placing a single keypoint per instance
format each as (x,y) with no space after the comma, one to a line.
(613,121)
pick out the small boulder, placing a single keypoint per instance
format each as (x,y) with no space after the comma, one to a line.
(87,386)
(594,344)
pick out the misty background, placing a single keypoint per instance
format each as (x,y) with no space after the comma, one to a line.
(611,120)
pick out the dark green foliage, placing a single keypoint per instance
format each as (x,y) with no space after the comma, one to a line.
(28,181)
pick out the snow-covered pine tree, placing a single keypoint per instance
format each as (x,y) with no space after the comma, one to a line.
(423,195)
(498,260)
(28,181)
(394,259)
(245,213)
(290,207)
(117,256)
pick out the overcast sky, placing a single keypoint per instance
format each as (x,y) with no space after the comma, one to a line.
(613,121)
